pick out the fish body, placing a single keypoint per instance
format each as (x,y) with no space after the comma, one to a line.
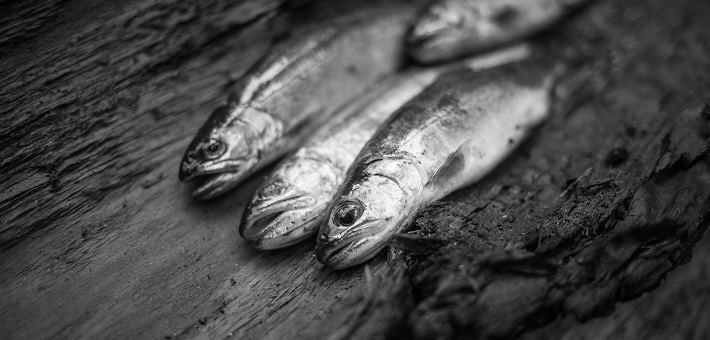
(451,135)
(289,205)
(288,94)
(447,29)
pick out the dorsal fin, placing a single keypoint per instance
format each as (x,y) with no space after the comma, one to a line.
(454,165)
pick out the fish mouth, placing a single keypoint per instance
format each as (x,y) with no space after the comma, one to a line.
(421,40)
(252,229)
(427,48)
(279,224)
(217,178)
(440,44)
(353,247)
(217,184)
(342,257)
(190,172)
(427,32)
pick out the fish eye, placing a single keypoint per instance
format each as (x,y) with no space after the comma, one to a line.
(215,149)
(347,213)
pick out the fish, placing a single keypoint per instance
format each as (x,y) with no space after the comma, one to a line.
(448,137)
(286,96)
(289,205)
(448,29)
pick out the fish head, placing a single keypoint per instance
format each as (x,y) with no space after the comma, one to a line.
(367,212)
(288,206)
(227,149)
(448,29)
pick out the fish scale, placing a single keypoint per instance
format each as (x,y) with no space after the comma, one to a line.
(469,122)
(285,97)
(279,218)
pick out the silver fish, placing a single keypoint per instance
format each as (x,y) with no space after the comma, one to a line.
(289,93)
(451,135)
(288,206)
(447,29)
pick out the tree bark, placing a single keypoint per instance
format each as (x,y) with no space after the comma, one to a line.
(99,239)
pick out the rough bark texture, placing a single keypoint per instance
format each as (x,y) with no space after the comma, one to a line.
(607,198)
(99,239)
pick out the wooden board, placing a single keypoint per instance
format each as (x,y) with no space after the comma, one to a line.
(98,239)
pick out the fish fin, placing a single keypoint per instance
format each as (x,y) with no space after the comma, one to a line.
(454,164)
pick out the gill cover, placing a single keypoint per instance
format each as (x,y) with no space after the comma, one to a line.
(376,203)
(287,207)
(227,148)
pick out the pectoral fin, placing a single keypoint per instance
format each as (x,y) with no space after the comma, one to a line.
(452,167)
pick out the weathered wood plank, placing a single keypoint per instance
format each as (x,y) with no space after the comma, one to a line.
(676,310)
(96,123)
(99,239)
(80,104)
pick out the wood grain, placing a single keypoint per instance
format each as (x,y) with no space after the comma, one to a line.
(98,239)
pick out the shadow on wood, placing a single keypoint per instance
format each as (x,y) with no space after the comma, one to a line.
(99,239)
